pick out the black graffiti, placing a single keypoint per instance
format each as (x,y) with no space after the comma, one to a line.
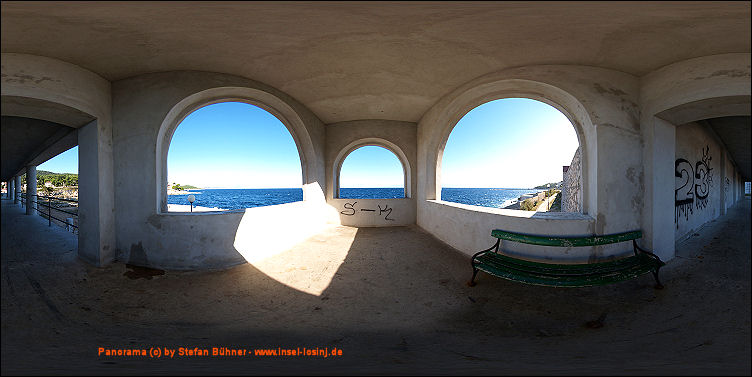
(725,188)
(350,210)
(697,180)
(387,210)
(349,207)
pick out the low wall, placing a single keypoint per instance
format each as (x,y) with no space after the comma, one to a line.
(216,240)
(468,229)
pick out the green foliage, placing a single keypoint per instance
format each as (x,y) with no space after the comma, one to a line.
(177,187)
(528,205)
(548,185)
(57,179)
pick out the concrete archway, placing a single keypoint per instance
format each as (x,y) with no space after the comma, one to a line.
(54,90)
(678,94)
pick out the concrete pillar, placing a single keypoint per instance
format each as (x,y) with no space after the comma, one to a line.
(96,198)
(722,196)
(12,189)
(659,208)
(31,189)
(16,197)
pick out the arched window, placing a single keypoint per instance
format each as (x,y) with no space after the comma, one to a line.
(232,155)
(513,153)
(371,172)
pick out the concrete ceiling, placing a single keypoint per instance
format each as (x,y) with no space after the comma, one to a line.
(364,60)
(39,109)
(736,133)
(28,141)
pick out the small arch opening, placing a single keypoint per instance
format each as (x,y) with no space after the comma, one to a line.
(372,172)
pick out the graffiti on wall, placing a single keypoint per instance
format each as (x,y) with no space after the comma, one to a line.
(350,210)
(694,185)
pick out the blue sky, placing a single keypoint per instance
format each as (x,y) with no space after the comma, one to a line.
(66,162)
(511,142)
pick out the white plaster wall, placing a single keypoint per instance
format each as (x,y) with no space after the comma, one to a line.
(149,236)
(602,105)
(401,137)
(375,212)
(691,142)
(728,184)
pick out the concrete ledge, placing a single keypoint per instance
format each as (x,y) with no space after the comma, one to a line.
(517,213)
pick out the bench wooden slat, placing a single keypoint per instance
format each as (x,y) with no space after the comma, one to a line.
(566,241)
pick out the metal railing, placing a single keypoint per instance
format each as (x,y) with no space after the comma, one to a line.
(49,207)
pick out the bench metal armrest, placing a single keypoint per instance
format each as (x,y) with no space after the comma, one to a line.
(495,246)
(650,254)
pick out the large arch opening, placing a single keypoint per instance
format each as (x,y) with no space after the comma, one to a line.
(230,155)
(284,112)
(513,153)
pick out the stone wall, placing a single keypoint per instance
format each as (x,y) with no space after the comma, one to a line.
(571,191)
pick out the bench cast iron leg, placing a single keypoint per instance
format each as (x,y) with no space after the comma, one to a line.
(658,284)
(471,283)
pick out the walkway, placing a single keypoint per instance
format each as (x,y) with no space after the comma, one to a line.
(546,203)
(392,299)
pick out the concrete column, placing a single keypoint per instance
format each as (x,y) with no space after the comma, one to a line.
(16,197)
(96,198)
(722,175)
(12,189)
(31,189)
(659,227)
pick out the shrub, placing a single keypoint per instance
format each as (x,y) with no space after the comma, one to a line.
(528,205)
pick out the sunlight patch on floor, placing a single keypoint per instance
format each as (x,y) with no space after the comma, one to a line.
(310,266)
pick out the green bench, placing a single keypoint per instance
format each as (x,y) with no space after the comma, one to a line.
(566,275)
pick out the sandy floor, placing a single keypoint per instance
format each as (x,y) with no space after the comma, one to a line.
(394,300)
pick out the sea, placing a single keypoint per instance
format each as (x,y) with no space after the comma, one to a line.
(248,198)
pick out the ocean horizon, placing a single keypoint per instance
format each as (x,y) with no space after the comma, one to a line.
(495,197)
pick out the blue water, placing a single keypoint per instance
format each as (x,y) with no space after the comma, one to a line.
(372,193)
(238,198)
(247,198)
